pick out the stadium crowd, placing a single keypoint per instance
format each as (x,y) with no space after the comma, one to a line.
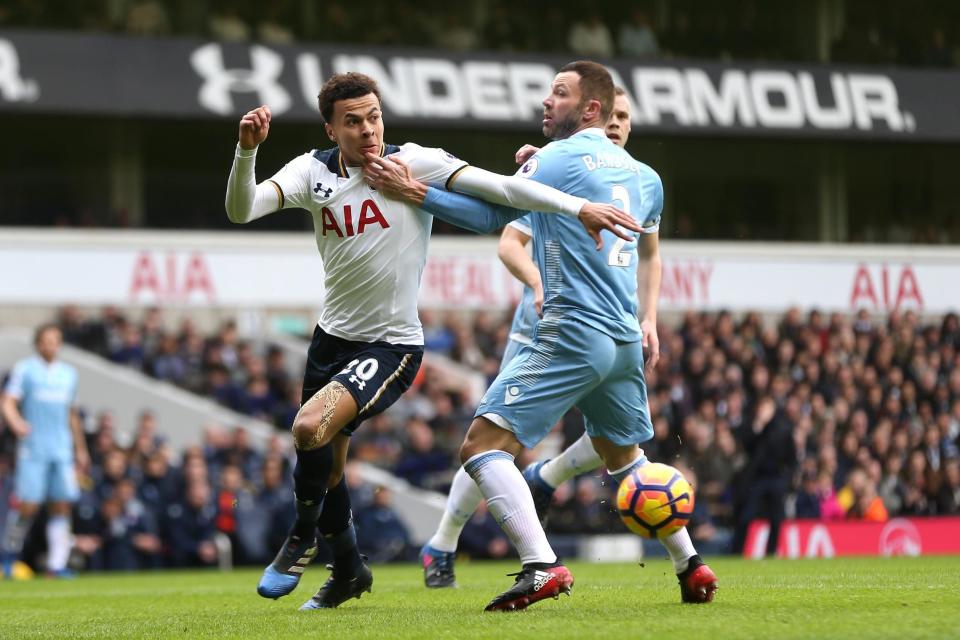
(144,506)
(816,416)
(872,33)
(870,412)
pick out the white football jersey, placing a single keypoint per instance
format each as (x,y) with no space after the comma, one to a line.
(373,248)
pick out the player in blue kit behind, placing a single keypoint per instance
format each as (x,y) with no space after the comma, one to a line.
(587,348)
(37,405)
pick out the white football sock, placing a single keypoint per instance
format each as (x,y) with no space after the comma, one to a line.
(511,504)
(14,532)
(463,500)
(58,542)
(578,458)
(623,472)
(680,547)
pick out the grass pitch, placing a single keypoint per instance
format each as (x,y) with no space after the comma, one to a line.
(858,598)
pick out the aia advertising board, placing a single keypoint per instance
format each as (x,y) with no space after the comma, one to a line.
(265,270)
(828,539)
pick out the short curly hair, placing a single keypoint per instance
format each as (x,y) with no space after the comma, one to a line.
(343,86)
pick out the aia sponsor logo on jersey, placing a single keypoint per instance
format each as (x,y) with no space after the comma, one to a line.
(370,215)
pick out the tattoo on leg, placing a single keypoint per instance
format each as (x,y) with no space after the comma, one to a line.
(329,396)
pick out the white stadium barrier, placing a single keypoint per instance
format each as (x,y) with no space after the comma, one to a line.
(247,270)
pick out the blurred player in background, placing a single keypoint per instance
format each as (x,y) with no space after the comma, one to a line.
(587,350)
(368,343)
(38,407)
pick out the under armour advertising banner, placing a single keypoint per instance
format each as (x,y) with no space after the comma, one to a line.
(55,72)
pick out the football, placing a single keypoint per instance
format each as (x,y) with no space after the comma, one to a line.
(655,500)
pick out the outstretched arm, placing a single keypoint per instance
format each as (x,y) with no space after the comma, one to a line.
(392,178)
(529,194)
(391,174)
(246,200)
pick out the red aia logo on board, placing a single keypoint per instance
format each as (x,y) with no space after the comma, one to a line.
(171,278)
(886,288)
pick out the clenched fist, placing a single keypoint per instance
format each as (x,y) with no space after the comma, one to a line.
(254,127)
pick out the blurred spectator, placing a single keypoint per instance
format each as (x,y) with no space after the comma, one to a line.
(590,37)
(130,352)
(708,537)
(275,368)
(115,469)
(636,38)
(190,528)
(159,485)
(226,24)
(256,399)
(377,442)
(242,454)
(274,26)
(129,540)
(147,18)
(807,504)
(764,482)
(948,500)
(273,511)
(938,53)
(423,464)
(235,506)
(145,441)
(892,489)
(502,33)
(380,533)
(482,537)
(588,511)
(219,386)
(169,363)
(454,35)
(101,441)
(830,508)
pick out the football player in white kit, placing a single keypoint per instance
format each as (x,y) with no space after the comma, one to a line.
(368,342)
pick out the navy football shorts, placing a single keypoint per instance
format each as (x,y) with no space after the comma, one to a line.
(375,373)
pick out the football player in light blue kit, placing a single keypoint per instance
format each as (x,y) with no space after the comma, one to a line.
(587,348)
(37,405)
(438,556)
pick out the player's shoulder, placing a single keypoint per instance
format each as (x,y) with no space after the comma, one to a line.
(430,164)
(557,147)
(647,172)
(547,161)
(413,151)
(323,160)
(25,365)
(650,178)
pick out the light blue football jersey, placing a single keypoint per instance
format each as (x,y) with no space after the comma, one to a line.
(45,392)
(525,317)
(598,288)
